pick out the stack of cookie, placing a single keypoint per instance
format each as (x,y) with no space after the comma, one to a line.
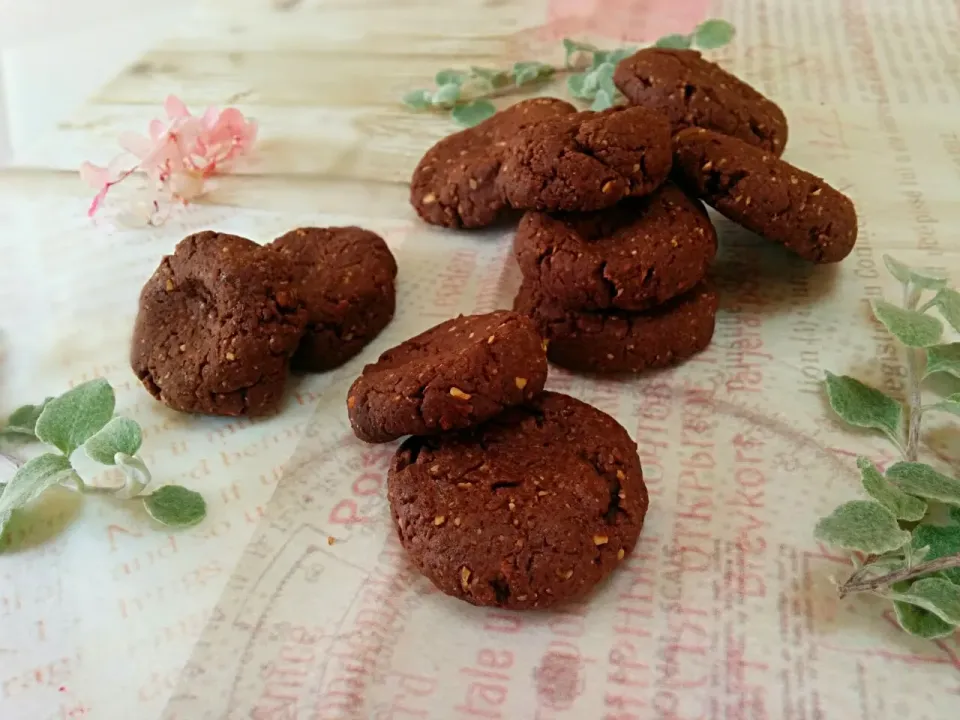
(223,318)
(504,495)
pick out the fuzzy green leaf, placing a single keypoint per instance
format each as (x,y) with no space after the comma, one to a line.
(950,404)
(447,77)
(572,47)
(527,72)
(31,479)
(418,99)
(575,86)
(602,101)
(4,516)
(473,113)
(136,475)
(943,358)
(675,42)
(902,505)
(863,406)
(862,525)
(68,421)
(926,279)
(912,328)
(948,303)
(615,56)
(921,623)
(923,481)
(936,595)
(120,435)
(943,540)
(446,95)
(713,34)
(176,506)
(604,74)
(23,420)
(494,77)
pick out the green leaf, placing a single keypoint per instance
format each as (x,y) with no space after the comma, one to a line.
(495,77)
(527,72)
(936,595)
(447,77)
(944,541)
(902,505)
(176,506)
(137,477)
(912,328)
(599,58)
(923,481)
(713,34)
(120,435)
(921,623)
(950,404)
(572,47)
(446,95)
(948,303)
(863,406)
(926,279)
(862,525)
(604,74)
(473,113)
(68,421)
(615,56)
(418,99)
(943,358)
(23,420)
(4,516)
(675,42)
(575,85)
(602,101)
(31,479)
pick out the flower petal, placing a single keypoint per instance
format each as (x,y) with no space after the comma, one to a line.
(175,107)
(157,128)
(136,145)
(94,175)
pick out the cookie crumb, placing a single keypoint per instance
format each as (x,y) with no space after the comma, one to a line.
(490,340)
(620,475)
(600,540)
(564,574)
(521,383)
(439,520)
(231,356)
(351,402)
(456,521)
(331,539)
(609,186)
(169,285)
(460,394)
(429,199)
(464,577)
(620,554)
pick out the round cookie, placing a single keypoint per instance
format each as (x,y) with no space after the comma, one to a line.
(694,92)
(616,342)
(767,195)
(632,256)
(345,278)
(455,184)
(453,376)
(529,510)
(587,161)
(217,324)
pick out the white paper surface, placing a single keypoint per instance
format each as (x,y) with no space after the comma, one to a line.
(725,610)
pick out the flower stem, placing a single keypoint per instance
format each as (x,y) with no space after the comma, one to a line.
(854,585)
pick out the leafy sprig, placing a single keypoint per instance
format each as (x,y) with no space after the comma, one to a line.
(84,418)
(906,538)
(466,94)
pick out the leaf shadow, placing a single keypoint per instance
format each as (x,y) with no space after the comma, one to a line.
(42,520)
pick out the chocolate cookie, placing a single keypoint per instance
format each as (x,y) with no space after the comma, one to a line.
(694,92)
(767,195)
(217,325)
(345,278)
(531,509)
(455,184)
(639,253)
(453,376)
(615,341)
(586,161)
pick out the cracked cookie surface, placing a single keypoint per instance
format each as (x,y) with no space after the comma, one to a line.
(217,324)
(632,256)
(455,183)
(586,161)
(694,92)
(453,376)
(622,342)
(345,278)
(767,195)
(533,508)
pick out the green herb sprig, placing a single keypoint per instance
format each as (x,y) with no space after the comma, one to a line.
(906,538)
(84,418)
(466,94)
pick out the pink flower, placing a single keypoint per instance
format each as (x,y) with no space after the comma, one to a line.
(176,156)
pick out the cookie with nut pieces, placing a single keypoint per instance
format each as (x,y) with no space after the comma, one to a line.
(622,342)
(632,256)
(529,510)
(694,92)
(586,161)
(455,184)
(767,195)
(216,327)
(345,278)
(455,375)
